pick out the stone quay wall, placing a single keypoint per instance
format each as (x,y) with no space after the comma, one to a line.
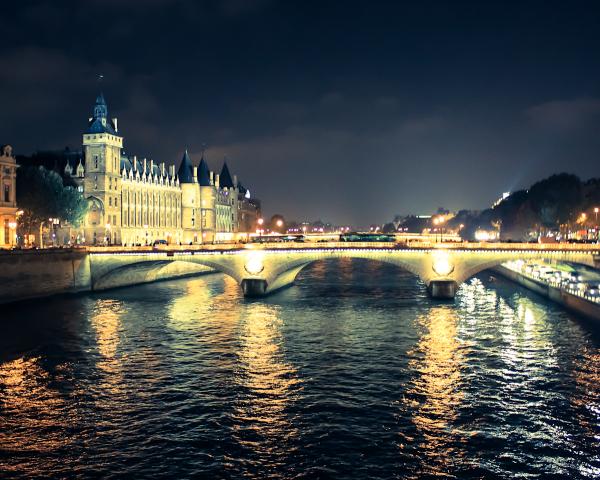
(571,302)
(28,274)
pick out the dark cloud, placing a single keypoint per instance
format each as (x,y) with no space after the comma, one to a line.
(566,114)
(350,111)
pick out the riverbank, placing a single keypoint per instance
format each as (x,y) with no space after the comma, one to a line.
(31,274)
(574,303)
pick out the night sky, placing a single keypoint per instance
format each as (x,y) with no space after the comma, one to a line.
(349,111)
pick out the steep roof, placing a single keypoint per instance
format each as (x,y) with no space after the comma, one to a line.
(225,177)
(100,122)
(186,170)
(203,173)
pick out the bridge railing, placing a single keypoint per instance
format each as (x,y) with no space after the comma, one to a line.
(578,247)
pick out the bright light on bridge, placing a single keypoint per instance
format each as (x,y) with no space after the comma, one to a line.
(441,263)
(254,263)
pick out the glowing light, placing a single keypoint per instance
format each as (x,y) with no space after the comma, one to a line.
(260,221)
(279,223)
(486,235)
(442,264)
(254,263)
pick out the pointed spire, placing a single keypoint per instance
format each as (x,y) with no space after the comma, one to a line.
(225,177)
(99,122)
(203,173)
(100,109)
(185,172)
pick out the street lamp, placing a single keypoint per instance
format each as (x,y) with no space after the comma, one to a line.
(260,222)
(12,226)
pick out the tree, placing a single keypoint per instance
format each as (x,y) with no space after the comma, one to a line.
(41,195)
(556,198)
(389,228)
(277,223)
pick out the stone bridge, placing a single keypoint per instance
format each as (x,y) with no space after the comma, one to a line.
(261,270)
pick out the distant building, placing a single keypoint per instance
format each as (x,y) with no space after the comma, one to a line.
(8,196)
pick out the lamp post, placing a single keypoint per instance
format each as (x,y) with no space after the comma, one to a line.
(442,220)
(12,227)
(260,222)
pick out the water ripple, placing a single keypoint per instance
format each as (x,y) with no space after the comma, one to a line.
(352,373)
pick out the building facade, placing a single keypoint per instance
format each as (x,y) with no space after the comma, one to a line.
(139,202)
(8,197)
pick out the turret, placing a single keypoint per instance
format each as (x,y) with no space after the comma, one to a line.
(185,172)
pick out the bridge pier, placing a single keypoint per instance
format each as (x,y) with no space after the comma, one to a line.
(254,287)
(443,289)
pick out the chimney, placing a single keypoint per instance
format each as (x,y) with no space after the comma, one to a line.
(172,169)
(195,174)
(212,178)
(145,164)
(151,166)
(135,163)
(162,168)
(217,183)
(115,124)
(235,181)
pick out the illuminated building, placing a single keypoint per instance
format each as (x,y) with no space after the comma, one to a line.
(137,202)
(8,197)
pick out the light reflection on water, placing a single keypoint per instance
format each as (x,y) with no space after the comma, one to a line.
(353,373)
(269,383)
(435,394)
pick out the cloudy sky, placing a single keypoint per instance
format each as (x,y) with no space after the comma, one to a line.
(350,111)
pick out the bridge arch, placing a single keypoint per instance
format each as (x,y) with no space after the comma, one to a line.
(145,272)
(280,274)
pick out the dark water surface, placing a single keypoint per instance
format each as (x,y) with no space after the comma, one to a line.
(352,373)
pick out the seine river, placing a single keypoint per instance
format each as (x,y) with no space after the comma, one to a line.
(351,373)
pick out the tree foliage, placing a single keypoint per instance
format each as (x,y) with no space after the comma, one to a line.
(41,195)
(547,204)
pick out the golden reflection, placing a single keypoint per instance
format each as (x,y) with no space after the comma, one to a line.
(106,322)
(34,415)
(435,394)
(199,305)
(269,383)
(206,315)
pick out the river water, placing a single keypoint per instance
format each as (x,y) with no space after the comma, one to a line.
(352,373)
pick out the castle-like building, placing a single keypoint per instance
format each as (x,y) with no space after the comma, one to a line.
(139,202)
